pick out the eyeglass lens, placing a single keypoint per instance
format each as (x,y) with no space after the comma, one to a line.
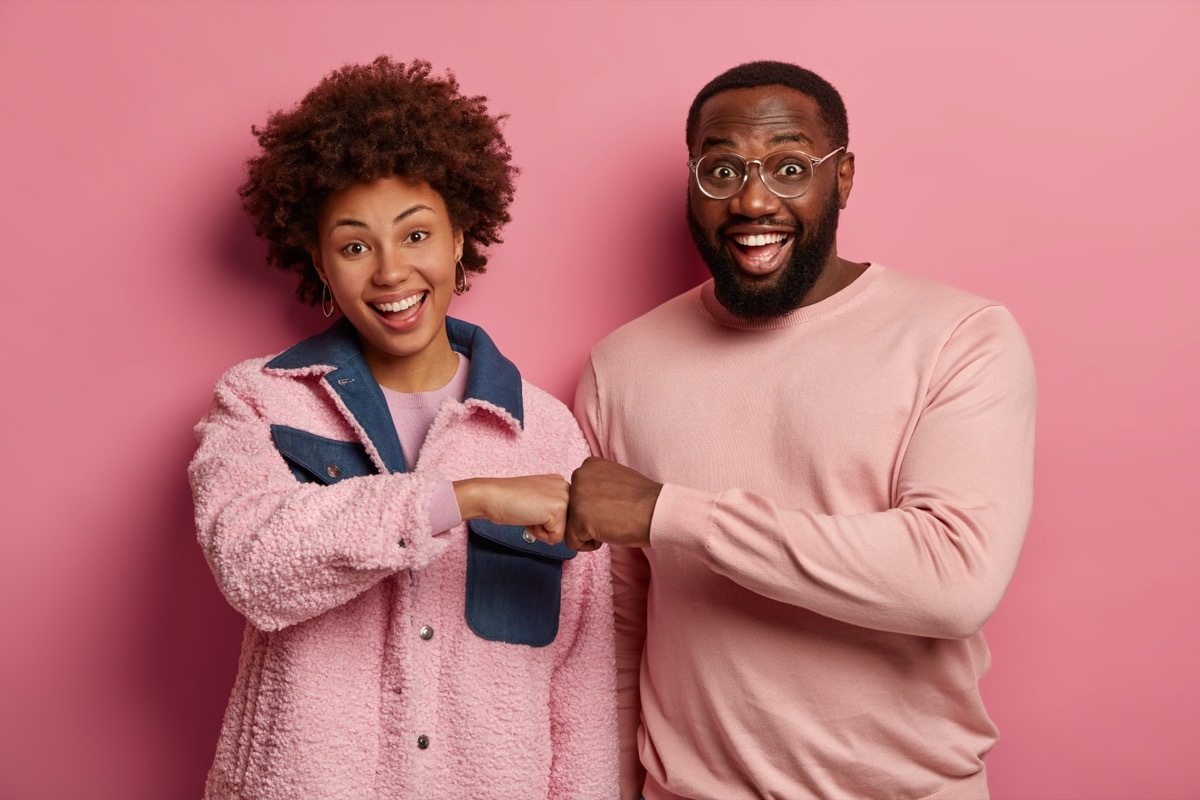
(722,175)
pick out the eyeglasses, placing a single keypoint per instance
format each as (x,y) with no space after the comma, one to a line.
(787,173)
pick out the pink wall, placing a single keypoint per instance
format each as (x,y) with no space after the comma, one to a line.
(1041,154)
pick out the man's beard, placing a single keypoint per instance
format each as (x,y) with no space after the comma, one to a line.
(801,272)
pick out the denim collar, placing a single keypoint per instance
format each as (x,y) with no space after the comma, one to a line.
(493,379)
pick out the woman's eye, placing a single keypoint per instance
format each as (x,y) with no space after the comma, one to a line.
(418,236)
(354,249)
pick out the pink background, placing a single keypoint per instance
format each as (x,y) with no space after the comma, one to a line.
(1041,154)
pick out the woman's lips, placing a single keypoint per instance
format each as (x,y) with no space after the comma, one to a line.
(402,314)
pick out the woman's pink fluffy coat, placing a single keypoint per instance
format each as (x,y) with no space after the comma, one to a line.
(335,683)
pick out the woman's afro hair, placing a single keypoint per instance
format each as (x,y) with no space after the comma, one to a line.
(365,122)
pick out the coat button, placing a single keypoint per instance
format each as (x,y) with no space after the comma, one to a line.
(423,741)
(401,543)
(426,632)
(528,537)
(333,471)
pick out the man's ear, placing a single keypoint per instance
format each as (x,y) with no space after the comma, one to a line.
(845,177)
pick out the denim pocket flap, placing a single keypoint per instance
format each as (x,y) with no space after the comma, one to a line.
(512,537)
(319,459)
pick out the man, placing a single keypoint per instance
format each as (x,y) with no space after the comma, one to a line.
(820,479)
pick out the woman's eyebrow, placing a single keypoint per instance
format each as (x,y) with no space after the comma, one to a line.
(357,223)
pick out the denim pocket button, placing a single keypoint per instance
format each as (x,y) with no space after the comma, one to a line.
(332,471)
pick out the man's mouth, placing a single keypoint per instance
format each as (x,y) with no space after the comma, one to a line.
(401,309)
(759,253)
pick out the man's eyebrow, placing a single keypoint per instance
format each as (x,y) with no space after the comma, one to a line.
(716,141)
(791,138)
(782,138)
(357,223)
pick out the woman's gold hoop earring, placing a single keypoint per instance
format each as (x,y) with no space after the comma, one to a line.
(460,278)
(327,310)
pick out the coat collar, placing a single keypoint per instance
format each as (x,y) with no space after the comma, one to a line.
(493,380)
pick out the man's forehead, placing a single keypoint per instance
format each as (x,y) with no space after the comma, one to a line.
(779,110)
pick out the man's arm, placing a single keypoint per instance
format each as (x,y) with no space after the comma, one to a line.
(935,564)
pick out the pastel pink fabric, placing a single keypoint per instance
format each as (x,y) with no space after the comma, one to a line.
(413,414)
(846,493)
(335,683)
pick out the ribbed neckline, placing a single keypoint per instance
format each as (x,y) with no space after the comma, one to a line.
(456,387)
(817,311)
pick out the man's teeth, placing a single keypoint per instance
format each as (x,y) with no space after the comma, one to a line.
(759,239)
(400,305)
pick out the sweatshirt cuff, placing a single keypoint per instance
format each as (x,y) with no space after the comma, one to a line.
(443,508)
(681,518)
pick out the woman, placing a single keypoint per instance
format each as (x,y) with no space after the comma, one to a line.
(380,500)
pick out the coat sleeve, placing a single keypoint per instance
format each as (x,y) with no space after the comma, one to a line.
(582,705)
(630,579)
(938,561)
(283,551)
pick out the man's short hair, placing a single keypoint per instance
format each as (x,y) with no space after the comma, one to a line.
(778,73)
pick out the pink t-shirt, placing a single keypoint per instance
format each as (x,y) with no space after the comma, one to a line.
(413,414)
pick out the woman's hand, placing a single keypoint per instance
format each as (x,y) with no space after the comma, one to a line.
(537,502)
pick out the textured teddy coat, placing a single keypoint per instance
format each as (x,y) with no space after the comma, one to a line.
(335,684)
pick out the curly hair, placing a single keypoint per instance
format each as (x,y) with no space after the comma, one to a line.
(366,122)
(753,74)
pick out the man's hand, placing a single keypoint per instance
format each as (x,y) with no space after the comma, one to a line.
(610,503)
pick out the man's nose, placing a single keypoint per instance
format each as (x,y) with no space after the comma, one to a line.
(755,199)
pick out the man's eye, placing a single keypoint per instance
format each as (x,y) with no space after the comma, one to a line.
(724,172)
(791,170)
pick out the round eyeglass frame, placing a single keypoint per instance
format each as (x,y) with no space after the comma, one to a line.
(694,166)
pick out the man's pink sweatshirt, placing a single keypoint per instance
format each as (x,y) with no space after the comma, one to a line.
(846,493)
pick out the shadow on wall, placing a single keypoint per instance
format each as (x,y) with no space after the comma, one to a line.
(187,658)
(675,265)
(190,651)
(240,260)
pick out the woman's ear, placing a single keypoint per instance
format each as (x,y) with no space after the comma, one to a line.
(315,255)
(458,245)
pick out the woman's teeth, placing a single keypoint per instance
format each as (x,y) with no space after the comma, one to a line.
(400,305)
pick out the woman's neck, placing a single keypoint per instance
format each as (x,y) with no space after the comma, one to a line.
(426,371)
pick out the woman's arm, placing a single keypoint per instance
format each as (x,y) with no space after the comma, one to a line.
(284,551)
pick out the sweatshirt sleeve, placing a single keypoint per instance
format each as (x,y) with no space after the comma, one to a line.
(938,561)
(630,583)
(283,551)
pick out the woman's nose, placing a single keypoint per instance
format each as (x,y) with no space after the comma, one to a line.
(391,268)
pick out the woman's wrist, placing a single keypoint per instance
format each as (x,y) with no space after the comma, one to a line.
(471,494)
